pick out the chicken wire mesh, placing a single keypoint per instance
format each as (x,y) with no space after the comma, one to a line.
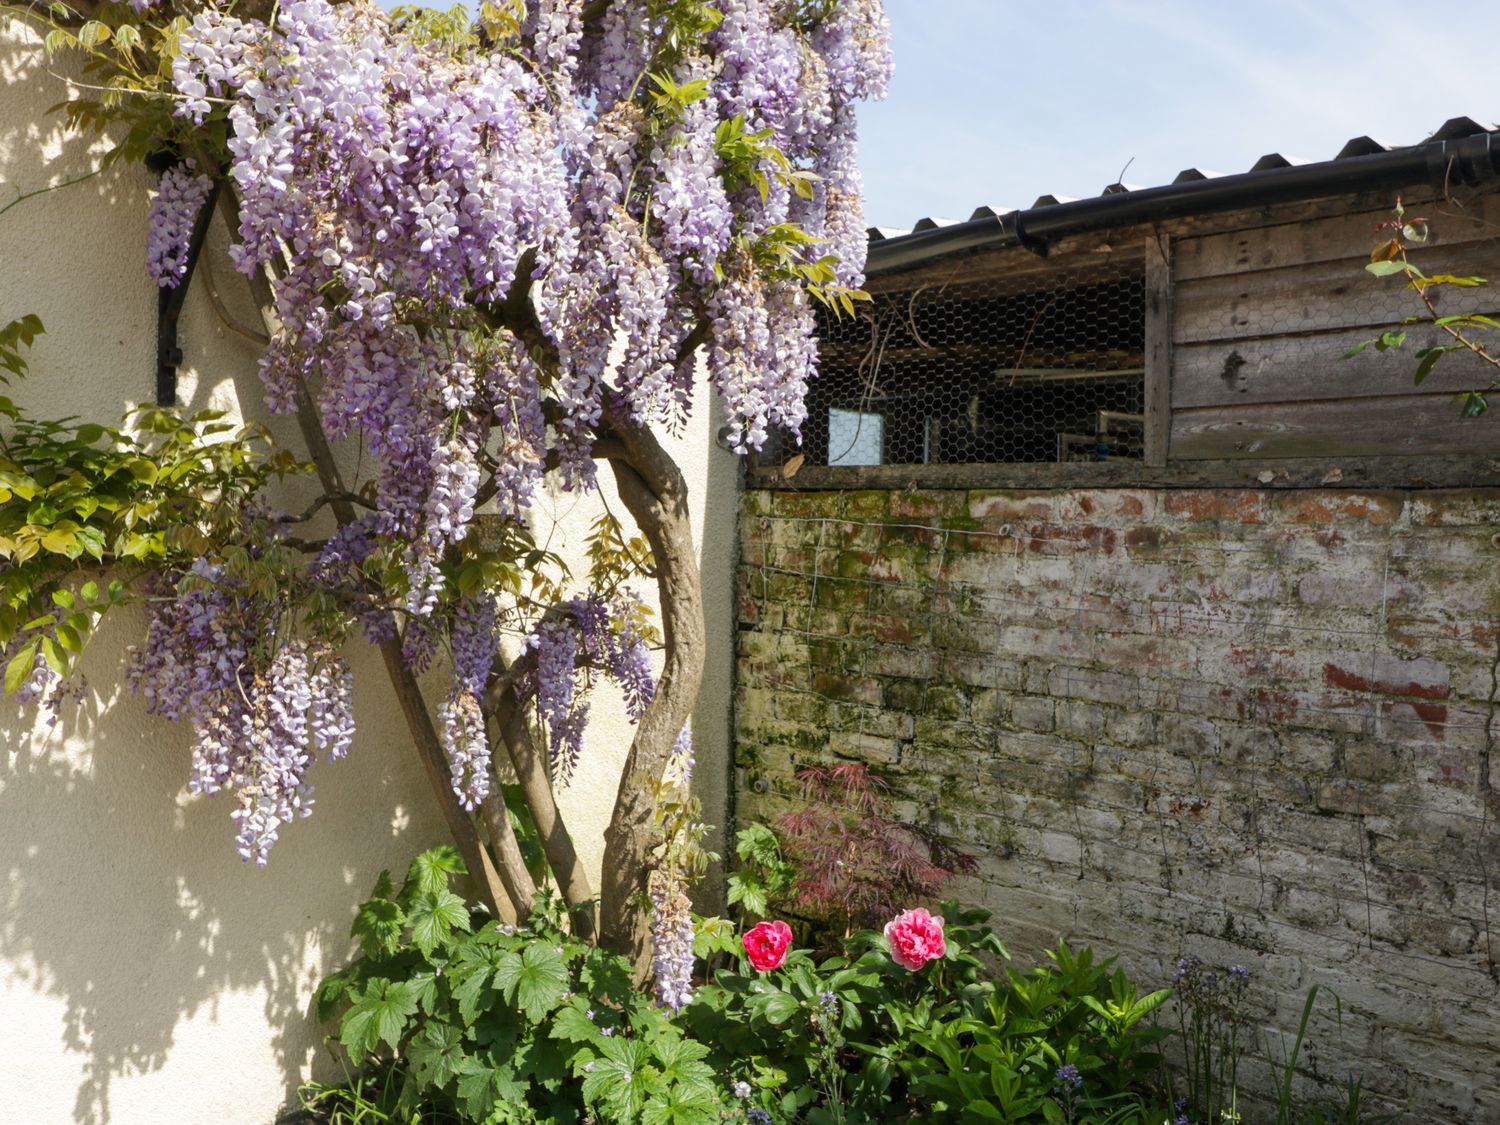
(1038,367)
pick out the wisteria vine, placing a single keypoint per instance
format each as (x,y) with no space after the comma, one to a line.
(492,249)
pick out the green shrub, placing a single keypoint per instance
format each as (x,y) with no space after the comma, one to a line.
(500,1025)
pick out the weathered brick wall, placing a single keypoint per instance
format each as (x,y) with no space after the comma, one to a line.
(1250,725)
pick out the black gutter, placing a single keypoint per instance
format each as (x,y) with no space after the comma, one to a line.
(1441,165)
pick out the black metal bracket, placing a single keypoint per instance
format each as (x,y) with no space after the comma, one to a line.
(169,300)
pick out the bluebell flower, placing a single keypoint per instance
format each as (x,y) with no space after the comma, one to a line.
(1067,1078)
(758,1117)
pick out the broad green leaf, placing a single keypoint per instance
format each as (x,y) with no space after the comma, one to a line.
(476,1086)
(53,654)
(1429,358)
(436,1053)
(572,1025)
(434,917)
(533,980)
(681,1105)
(470,976)
(618,1079)
(680,1061)
(1474,404)
(431,870)
(19,668)
(331,995)
(142,470)
(378,1016)
(378,925)
(1387,267)
(778,1007)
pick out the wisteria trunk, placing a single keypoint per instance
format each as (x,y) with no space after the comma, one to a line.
(654,491)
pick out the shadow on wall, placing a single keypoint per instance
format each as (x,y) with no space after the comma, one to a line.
(91,232)
(124,900)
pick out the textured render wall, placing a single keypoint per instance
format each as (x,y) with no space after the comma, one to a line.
(1252,725)
(146,975)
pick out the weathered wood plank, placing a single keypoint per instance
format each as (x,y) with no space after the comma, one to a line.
(1328,239)
(1310,367)
(1398,425)
(1158,390)
(1458,471)
(1325,296)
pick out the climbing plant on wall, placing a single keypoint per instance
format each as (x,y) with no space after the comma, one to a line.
(486,250)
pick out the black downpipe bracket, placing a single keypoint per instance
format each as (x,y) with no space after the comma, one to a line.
(169,300)
(1441,165)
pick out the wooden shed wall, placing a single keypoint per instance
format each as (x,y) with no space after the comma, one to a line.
(1249,314)
(1261,319)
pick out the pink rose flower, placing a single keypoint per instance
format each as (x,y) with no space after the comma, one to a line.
(766,945)
(916,938)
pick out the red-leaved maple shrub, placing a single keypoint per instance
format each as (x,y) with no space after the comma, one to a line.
(857,865)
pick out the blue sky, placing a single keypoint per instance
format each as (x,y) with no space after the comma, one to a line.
(997,101)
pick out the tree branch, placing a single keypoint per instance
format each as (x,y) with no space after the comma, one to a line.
(502,702)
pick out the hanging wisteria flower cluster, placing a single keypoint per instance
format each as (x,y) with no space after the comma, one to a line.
(667,886)
(402,190)
(258,716)
(586,635)
(174,210)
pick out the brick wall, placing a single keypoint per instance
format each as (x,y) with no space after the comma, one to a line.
(1249,725)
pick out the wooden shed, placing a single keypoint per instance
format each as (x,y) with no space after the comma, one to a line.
(1192,333)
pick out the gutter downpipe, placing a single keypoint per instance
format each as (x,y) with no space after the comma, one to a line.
(1441,165)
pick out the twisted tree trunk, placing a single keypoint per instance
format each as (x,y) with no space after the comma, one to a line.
(653,490)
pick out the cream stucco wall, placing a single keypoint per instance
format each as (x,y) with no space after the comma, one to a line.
(146,975)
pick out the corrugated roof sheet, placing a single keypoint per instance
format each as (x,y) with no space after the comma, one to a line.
(1452,129)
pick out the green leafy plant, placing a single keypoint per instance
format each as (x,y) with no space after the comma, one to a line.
(857,1038)
(77,498)
(497,1024)
(1064,1042)
(448,1016)
(764,874)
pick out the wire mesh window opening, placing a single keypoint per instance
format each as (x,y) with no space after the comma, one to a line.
(1033,367)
